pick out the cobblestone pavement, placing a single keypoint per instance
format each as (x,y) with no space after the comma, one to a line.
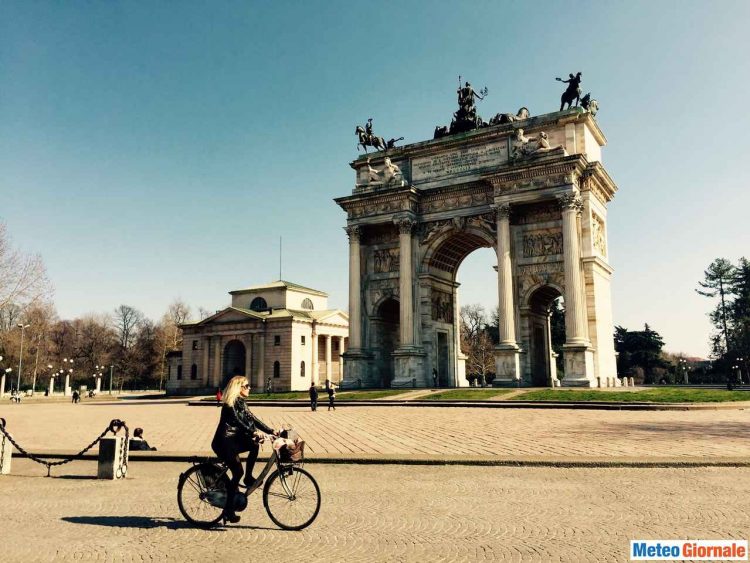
(433,431)
(378,513)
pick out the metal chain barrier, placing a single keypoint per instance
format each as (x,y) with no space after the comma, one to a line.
(2,443)
(114,426)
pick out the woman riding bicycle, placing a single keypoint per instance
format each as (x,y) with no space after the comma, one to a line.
(234,435)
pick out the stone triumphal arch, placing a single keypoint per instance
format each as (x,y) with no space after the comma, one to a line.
(535,191)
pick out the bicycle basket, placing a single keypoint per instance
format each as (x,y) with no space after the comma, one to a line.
(293,454)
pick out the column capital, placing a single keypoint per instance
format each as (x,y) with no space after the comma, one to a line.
(353,232)
(405,224)
(570,201)
(502,210)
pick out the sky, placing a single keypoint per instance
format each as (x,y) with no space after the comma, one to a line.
(158,150)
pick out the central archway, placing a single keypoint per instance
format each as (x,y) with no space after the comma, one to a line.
(233,360)
(385,324)
(536,320)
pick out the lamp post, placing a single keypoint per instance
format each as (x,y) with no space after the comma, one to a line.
(23,327)
(3,375)
(68,370)
(111,369)
(683,367)
(739,368)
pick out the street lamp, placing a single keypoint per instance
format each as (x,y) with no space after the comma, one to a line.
(23,327)
(739,367)
(111,369)
(683,366)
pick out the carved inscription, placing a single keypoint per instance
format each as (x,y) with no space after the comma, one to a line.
(542,244)
(540,269)
(459,161)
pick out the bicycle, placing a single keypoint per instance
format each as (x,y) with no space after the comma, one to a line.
(291,495)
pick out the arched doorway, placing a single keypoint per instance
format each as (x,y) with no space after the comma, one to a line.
(233,360)
(544,303)
(385,338)
(443,256)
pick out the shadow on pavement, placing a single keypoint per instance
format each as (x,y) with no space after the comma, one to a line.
(143,522)
(148,523)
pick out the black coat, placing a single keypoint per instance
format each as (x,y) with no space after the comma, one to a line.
(313,394)
(236,427)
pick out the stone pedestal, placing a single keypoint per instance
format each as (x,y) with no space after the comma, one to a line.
(6,454)
(98,385)
(51,388)
(579,366)
(356,370)
(110,457)
(2,385)
(507,366)
(409,368)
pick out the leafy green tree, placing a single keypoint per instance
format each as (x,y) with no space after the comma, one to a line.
(640,349)
(718,281)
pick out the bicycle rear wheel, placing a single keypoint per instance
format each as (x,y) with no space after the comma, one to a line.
(202,494)
(292,498)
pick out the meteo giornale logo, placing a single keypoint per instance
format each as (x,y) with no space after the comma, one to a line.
(695,550)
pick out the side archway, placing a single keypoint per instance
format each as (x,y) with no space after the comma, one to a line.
(233,360)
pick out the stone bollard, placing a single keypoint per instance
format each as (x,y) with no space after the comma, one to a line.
(631,382)
(624,381)
(111,454)
(6,452)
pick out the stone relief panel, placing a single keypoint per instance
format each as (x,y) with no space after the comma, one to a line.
(442,306)
(459,161)
(598,234)
(533,275)
(485,222)
(381,207)
(380,292)
(385,260)
(540,213)
(453,201)
(542,243)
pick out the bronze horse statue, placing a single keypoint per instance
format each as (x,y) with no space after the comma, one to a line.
(573,92)
(366,140)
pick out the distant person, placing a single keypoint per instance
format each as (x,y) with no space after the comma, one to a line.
(76,396)
(313,398)
(434,377)
(331,396)
(138,443)
(218,395)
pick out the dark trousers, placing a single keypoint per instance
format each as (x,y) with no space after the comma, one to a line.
(331,399)
(314,404)
(229,453)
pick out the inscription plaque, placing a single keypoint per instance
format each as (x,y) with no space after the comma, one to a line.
(459,161)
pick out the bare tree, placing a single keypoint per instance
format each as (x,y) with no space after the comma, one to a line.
(476,342)
(170,333)
(23,278)
(126,320)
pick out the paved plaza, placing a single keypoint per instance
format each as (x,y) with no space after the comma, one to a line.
(378,513)
(421,432)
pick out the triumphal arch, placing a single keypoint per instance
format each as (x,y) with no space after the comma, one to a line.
(531,187)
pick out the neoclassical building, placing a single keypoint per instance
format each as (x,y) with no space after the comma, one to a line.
(535,190)
(279,335)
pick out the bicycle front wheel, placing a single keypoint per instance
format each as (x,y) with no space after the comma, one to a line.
(292,498)
(202,494)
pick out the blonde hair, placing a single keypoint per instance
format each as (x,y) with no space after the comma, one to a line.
(232,390)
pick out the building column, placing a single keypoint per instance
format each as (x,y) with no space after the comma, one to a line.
(205,355)
(507,361)
(405,280)
(247,340)
(575,313)
(217,379)
(329,371)
(315,376)
(341,358)
(261,384)
(460,364)
(355,291)
(579,360)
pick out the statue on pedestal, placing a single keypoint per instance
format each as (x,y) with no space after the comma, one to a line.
(367,139)
(466,118)
(528,147)
(573,92)
(591,106)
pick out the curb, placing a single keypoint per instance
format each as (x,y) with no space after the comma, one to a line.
(601,405)
(477,461)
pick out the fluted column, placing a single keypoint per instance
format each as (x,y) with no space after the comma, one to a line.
(575,314)
(507,326)
(329,371)
(355,292)
(315,371)
(205,353)
(261,386)
(217,375)
(406,308)
(341,358)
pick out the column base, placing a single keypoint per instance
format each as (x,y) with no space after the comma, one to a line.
(408,364)
(579,366)
(507,366)
(356,370)
(461,380)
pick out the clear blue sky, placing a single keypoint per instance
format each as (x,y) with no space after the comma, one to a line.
(155,150)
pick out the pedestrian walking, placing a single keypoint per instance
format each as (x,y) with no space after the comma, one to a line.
(331,396)
(218,396)
(313,398)
(434,377)
(76,396)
